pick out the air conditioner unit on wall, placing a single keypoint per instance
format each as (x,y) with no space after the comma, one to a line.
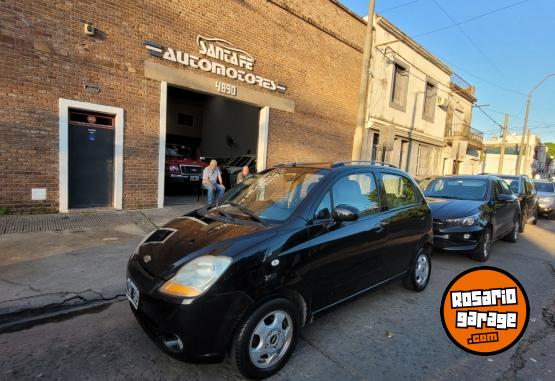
(443,102)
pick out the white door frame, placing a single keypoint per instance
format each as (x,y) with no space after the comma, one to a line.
(63,111)
(262,149)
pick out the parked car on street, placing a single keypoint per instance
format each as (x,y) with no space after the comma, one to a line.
(546,198)
(471,212)
(181,167)
(524,188)
(242,276)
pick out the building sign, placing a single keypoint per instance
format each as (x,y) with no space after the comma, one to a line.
(219,57)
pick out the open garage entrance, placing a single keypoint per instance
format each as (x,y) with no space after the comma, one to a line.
(200,127)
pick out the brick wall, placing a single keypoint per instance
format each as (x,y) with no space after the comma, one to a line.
(312,46)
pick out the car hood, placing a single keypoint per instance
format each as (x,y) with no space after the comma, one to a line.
(175,161)
(188,237)
(445,208)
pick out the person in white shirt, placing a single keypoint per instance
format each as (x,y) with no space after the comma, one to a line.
(210,178)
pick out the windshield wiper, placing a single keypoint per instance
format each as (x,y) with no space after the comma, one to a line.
(245,210)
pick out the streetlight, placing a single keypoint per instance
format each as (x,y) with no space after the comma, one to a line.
(525,127)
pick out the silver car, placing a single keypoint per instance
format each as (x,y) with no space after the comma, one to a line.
(546,198)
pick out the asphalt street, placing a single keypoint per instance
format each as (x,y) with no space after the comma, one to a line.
(391,333)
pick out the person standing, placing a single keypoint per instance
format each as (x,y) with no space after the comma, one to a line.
(211,175)
(243,175)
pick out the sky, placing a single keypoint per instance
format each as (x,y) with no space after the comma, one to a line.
(502,47)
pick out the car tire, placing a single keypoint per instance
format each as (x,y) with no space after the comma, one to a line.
(483,251)
(420,270)
(551,215)
(513,235)
(257,357)
(522,223)
(535,220)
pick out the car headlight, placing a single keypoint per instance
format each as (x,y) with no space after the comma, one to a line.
(544,200)
(173,168)
(464,221)
(196,276)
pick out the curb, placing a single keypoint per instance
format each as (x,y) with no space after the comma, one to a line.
(30,318)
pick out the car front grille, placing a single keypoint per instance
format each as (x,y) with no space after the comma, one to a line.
(191,169)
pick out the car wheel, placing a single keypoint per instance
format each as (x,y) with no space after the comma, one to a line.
(483,251)
(513,235)
(535,220)
(419,274)
(266,338)
(522,224)
(551,215)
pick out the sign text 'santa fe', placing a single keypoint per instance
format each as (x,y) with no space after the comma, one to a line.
(219,57)
(485,310)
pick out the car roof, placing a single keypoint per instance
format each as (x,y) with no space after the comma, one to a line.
(340,166)
(469,177)
(503,175)
(543,181)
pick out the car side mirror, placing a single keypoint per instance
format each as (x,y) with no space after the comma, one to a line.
(323,214)
(345,213)
(504,198)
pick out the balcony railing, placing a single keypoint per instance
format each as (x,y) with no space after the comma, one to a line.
(463,131)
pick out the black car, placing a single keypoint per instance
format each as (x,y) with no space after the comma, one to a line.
(242,276)
(524,188)
(471,212)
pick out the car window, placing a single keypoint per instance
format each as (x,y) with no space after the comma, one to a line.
(323,211)
(513,183)
(359,191)
(544,187)
(460,188)
(527,188)
(399,191)
(531,186)
(505,188)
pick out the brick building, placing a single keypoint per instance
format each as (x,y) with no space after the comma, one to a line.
(132,75)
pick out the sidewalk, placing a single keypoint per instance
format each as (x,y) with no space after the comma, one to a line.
(61,263)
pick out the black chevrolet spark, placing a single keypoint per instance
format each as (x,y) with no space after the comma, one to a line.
(243,275)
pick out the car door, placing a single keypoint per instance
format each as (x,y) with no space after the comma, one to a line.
(529,199)
(346,257)
(503,211)
(409,219)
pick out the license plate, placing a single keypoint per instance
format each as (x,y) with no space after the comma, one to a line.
(194,178)
(132,293)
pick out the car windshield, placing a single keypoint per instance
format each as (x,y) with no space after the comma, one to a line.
(456,188)
(239,161)
(512,182)
(179,152)
(544,187)
(275,194)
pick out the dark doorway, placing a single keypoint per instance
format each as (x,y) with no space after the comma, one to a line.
(90,159)
(201,127)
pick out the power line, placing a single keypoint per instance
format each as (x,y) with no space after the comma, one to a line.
(398,6)
(472,19)
(468,37)
(489,117)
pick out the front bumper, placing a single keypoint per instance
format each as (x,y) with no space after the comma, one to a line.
(180,178)
(546,208)
(204,326)
(452,238)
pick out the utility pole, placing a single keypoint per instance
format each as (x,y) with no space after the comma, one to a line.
(503,143)
(363,91)
(525,127)
(526,153)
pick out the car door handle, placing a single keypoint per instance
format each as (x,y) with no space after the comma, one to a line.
(379,228)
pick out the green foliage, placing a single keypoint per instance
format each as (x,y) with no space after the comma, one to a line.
(3,211)
(550,149)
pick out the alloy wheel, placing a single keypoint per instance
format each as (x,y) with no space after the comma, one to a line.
(422,269)
(271,339)
(516,231)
